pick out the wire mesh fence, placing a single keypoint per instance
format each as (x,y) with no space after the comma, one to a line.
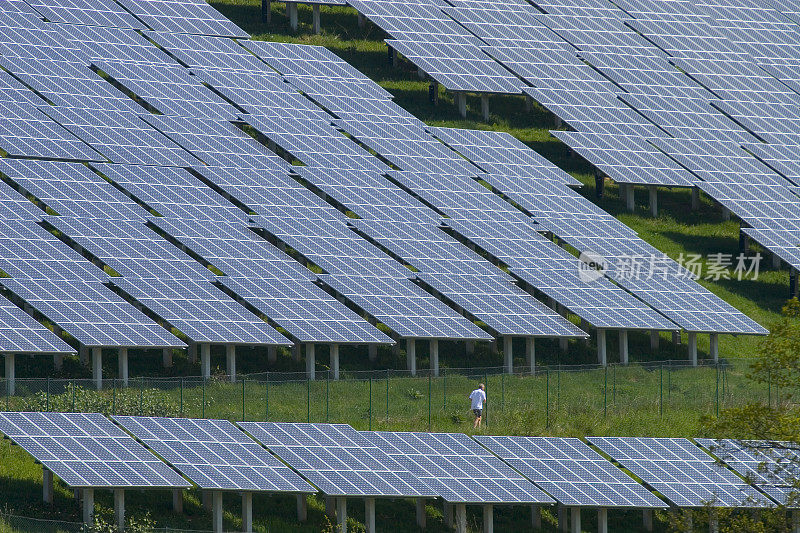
(378,399)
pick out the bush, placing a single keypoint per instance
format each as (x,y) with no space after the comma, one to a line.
(145,402)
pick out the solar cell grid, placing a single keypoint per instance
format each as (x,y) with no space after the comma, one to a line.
(571,472)
(20,333)
(183,16)
(113,44)
(88,12)
(456,468)
(207,51)
(87,450)
(337,459)
(682,472)
(201,311)
(214,454)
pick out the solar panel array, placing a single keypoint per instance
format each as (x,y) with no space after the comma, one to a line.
(337,459)
(184,162)
(87,450)
(571,472)
(630,79)
(214,454)
(686,475)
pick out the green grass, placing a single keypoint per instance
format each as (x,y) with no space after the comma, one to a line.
(623,401)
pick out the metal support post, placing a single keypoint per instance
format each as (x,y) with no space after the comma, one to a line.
(461,518)
(530,354)
(11,374)
(695,198)
(291,12)
(369,515)
(335,361)
(435,357)
(623,346)
(230,361)
(216,513)
(247,512)
(647,519)
(88,507)
(485,107)
(122,362)
(411,356)
(166,358)
(97,367)
(508,354)
(177,501)
(341,514)
(47,486)
(205,360)
(713,346)
(630,203)
(601,346)
(488,518)
(461,103)
(654,338)
(302,508)
(421,517)
(602,521)
(119,509)
(311,361)
(575,519)
(315,17)
(692,345)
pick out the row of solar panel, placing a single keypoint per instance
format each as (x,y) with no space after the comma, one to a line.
(602,68)
(189,141)
(89,451)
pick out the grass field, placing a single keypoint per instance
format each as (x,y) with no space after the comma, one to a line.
(636,400)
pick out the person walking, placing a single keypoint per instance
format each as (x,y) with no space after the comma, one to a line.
(478,398)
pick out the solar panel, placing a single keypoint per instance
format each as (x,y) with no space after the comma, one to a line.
(131,248)
(208,52)
(404,307)
(122,137)
(183,16)
(571,472)
(336,458)
(216,142)
(113,44)
(456,468)
(770,466)
(170,89)
(87,450)
(201,311)
(305,311)
(89,12)
(27,132)
(19,333)
(92,313)
(14,206)
(214,454)
(173,192)
(679,470)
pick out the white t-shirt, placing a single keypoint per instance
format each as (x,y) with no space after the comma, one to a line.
(478,397)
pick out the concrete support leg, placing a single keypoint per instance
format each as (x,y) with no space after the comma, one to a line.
(311,362)
(341,514)
(302,508)
(330,506)
(485,107)
(362,21)
(776,262)
(488,518)
(119,509)
(461,103)
(392,56)
(83,355)
(692,347)
(602,521)
(315,16)
(713,347)
(563,344)
(676,338)
(421,517)
(563,521)
(528,103)
(216,513)
(435,358)
(266,11)
(58,362)
(369,515)
(623,346)
(230,361)
(272,354)
(536,517)
(713,525)
(88,507)
(647,519)
(575,520)
(205,360)
(508,354)
(461,518)
(373,352)
(654,338)
(793,283)
(247,512)
(447,513)
(530,354)
(11,378)
(297,355)
(469,347)
(122,360)
(207,505)
(335,361)
(725,212)
(291,12)
(192,353)
(795,521)
(97,367)
(653,194)
(630,203)
(177,501)
(166,358)
(433,92)
(695,198)
(47,486)
(411,356)
(601,347)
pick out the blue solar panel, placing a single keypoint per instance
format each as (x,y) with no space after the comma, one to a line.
(19,333)
(183,16)
(214,454)
(89,12)
(339,460)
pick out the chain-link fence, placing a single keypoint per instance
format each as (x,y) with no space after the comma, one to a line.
(22,524)
(380,399)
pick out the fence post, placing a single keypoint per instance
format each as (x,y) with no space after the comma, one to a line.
(73,396)
(181,397)
(614,387)
(244,417)
(141,395)
(203,413)
(370,403)
(114,396)
(716,392)
(327,395)
(486,407)
(47,396)
(308,399)
(547,397)
(558,387)
(605,391)
(661,390)
(503,391)
(769,388)
(266,397)
(444,393)
(429,400)
(387,395)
